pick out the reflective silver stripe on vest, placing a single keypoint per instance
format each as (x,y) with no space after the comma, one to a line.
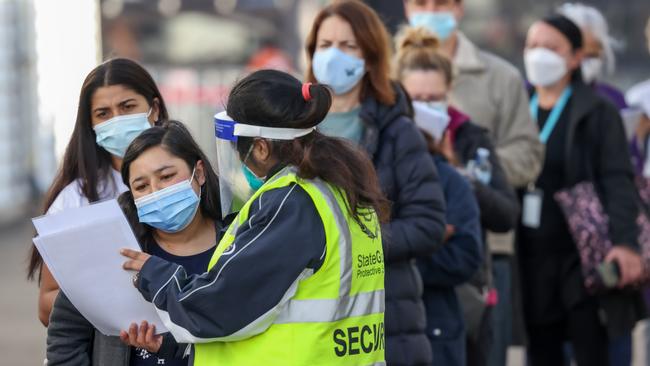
(345,306)
(330,310)
(345,240)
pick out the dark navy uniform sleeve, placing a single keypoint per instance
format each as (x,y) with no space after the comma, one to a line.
(282,243)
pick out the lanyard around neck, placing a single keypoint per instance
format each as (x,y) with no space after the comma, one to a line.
(554,117)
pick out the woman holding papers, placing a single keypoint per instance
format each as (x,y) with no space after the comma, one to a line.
(118,100)
(298,277)
(173,207)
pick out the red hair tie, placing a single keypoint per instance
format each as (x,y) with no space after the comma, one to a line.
(306,93)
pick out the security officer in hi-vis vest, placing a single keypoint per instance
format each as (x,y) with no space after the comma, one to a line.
(298,277)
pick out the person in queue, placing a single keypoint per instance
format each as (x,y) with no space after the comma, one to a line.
(298,277)
(491,91)
(427,75)
(460,257)
(585,142)
(638,97)
(173,208)
(481,73)
(118,100)
(348,49)
(599,59)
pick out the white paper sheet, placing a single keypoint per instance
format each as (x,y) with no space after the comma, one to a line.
(81,248)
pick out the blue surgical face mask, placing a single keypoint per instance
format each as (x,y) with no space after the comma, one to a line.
(441,24)
(170,209)
(337,69)
(117,133)
(253,180)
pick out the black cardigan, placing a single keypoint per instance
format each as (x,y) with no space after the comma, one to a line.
(596,151)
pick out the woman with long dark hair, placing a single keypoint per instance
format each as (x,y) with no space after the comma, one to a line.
(298,277)
(118,100)
(173,208)
(348,49)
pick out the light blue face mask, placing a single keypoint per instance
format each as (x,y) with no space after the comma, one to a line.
(442,24)
(337,69)
(170,209)
(117,133)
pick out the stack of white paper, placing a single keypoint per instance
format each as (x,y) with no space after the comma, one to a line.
(81,247)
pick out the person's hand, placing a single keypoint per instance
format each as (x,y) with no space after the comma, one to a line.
(137,259)
(629,263)
(143,337)
(449,231)
(643,128)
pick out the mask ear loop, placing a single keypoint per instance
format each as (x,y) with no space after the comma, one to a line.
(248,153)
(250,150)
(197,181)
(153,103)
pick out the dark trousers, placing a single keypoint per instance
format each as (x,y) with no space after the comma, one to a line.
(581,327)
(502,313)
(478,350)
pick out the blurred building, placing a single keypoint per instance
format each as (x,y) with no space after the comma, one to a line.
(17,107)
(197,49)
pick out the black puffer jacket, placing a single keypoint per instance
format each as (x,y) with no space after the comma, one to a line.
(410,180)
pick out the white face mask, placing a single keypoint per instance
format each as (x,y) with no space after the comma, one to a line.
(592,69)
(431,118)
(544,67)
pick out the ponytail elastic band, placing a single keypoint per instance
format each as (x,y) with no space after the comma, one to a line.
(306,93)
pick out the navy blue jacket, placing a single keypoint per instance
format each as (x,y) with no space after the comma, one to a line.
(451,265)
(409,179)
(283,230)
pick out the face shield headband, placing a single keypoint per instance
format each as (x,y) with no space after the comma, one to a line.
(233,185)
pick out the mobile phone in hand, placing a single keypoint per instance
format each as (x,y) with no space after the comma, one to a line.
(610,273)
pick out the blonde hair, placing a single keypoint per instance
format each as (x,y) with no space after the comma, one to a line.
(418,49)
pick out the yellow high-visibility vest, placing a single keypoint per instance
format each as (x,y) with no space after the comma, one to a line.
(336,316)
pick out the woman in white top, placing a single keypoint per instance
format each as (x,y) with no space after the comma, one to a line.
(118,100)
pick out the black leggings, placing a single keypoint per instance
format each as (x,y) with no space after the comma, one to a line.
(581,327)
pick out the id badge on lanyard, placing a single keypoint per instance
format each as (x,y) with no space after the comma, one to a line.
(532,207)
(531,213)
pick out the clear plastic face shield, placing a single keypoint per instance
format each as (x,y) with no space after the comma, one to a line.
(234,188)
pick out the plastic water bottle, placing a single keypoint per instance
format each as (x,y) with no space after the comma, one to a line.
(482,168)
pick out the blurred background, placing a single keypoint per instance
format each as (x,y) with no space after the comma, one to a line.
(195,49)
